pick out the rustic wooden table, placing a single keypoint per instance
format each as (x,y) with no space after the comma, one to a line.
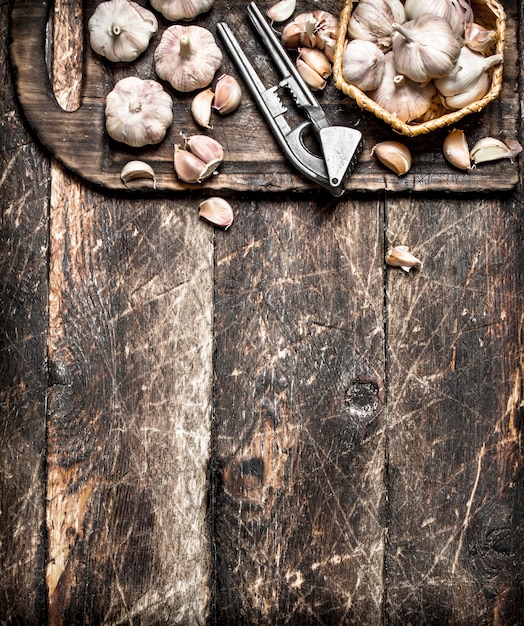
(264,425)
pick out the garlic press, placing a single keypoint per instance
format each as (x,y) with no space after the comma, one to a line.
(340,146)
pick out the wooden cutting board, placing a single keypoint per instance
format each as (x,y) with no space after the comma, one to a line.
(254,161)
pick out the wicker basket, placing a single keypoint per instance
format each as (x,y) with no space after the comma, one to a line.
(488,13)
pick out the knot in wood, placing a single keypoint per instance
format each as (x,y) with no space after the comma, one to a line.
(362,401)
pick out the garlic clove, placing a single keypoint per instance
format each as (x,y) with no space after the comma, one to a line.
(478,38)
(188,167)
(317,60)
(201,107)
(312,78)
(217,211)
(456,150)
(282,10)
(492,149)
(394,155)
(228,94)
(400,256)
(205,148)
(137,170)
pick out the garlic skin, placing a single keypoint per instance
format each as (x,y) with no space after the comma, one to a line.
(187,57)
(175,10)
(478,38)
(315,29)
(198,158)
(138,112)
(311,77)
(205,148)
(491,149)
(363,64)
(217,211)
(469,80)
(372,20)
(201,107)
(399,95)
(228,94)
(282,11)
(425,48)
(394,155)
(455,149)
(400,256)
(121,30)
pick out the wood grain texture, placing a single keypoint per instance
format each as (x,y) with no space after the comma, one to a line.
(455,394)
(253,159)
(298,500)
(23,329)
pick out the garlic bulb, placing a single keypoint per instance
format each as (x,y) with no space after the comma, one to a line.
(138,112)
(120,30)
(469,80)
(187,57)
(425,48)
(478,38)
(372,21)
(457,14)
(175,10)
(401,96)
(363,64)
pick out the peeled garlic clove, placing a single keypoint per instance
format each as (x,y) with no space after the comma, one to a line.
(282,11)
(201,107)
(137,170)
(312,78)
(217,211)
(228,94)
(492,149)
(188,166)
(455,149)
(478,38)
(400,256)
(394,155)
(205,148)
(316,60)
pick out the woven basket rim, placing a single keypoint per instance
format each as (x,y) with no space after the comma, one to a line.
(366,103)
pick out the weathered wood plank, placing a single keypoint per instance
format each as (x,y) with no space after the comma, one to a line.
(298,437)
(455,401)
(23,328)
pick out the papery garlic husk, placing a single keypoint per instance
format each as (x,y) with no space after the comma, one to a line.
(187,57)
(314,29)
(317,60)
(137,170)
(205,148)
(491,149)
(189,168)
(425,48)
(363,64)
(138,112)
(469,80)
(372,20)
(456,150)
(217,211)
(455,13)
(400,96)
(175,10)
(394,155)
(228,94)
(121,30)
(311,77)
(282,11)
(478,38)
(400,256)
(201,107)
